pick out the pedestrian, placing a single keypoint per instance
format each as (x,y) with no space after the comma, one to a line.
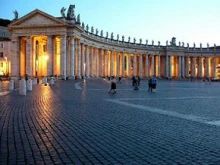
(152,84)
(136,83)
(119,80)
(112,85)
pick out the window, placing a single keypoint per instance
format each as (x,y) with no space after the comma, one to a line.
(1,55)
(3,34)
(2,45)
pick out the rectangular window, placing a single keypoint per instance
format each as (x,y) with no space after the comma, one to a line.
(2,45)
(1,55)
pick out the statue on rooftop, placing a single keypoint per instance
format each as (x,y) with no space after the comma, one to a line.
(92,29)
(83,25)
(70,13)
(106,34)
(62,11)
(117,37)
(96,31)
(112,36)
(146,42)
(123,38)
(78,19)
(187,45)
(134,39)
(87,27)
(194,45)
(207,45)
(158,43)
(201,45)
(167,43)
(101,33)
(183,44)
(129,38)
(140,40)
(152,42)
(15,14)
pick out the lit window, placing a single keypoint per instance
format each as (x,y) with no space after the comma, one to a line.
(2,45)
(1,54)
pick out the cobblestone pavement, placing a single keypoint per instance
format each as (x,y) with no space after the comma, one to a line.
(78,122)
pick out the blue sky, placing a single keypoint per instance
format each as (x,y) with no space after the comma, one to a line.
(160,20)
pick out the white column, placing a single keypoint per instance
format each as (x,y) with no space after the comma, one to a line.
(72,57)
(118,63)
(179,67)
(147,66)
(106,62)
(129,65)
(112,64)
(123,64)
(152,65)
(102,63)
(200,67)
(97,62)
(63,55)
(194,67)
(83,61)
(170,66)
(29,58)
(92,62)
(187,66)
(141,65)
(50,55)
(15,55)
(167,66)
(207,67)
(214,67)
(79,59)
(87,61)
(135,65)
(158,66)
(182,67)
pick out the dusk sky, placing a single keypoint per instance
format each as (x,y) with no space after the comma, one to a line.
(187,20)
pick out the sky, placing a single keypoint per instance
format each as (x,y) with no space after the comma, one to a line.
(159,20)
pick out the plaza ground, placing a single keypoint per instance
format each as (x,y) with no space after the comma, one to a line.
(78,122)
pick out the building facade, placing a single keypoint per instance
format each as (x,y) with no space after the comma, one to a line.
(43,45)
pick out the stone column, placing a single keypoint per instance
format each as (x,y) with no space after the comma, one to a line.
(152,66)
(147,66)
(123,64)
(15,55)
(79,59)
(183,67)
(83,60)
(50,55)
(200,67)
(135,65)
(72,58)
(87,61)
(158,66)
(112,64)
(187,66)
(106,62)
(129,65)
(97,62)
(102,63)
(29,57)
(92,62)
(118,63)
(194,66)
(63,55)
(214,67)
(207,67)
(170,66)
(167,66)
(179,67)
(141,65)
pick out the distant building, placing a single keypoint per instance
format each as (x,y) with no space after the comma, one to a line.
(44,45)
(5,51)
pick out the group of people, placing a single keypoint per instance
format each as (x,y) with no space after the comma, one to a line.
(152,83)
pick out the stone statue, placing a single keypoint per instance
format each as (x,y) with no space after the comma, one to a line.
(207,45)
(62,11)
(83,25)
(134,39)
(78,19)
(140,40)
(146,42)
(179,43)
(129,38)
(106,34)
(187,45)
(173,41)
(214,45)
(112,36)
(101,33)
(183,44)
(87,27)
(15,14)
(70,13)
(117,37)
(123,38)
(201,45)
(152,42)
(194,45)
(158,43)
(167,43)
(96,31)
(92,29)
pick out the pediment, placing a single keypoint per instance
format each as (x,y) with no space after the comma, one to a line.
(37,18)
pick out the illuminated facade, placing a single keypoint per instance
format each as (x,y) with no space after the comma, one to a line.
(43,45)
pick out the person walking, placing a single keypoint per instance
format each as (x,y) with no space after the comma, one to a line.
(112,85)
